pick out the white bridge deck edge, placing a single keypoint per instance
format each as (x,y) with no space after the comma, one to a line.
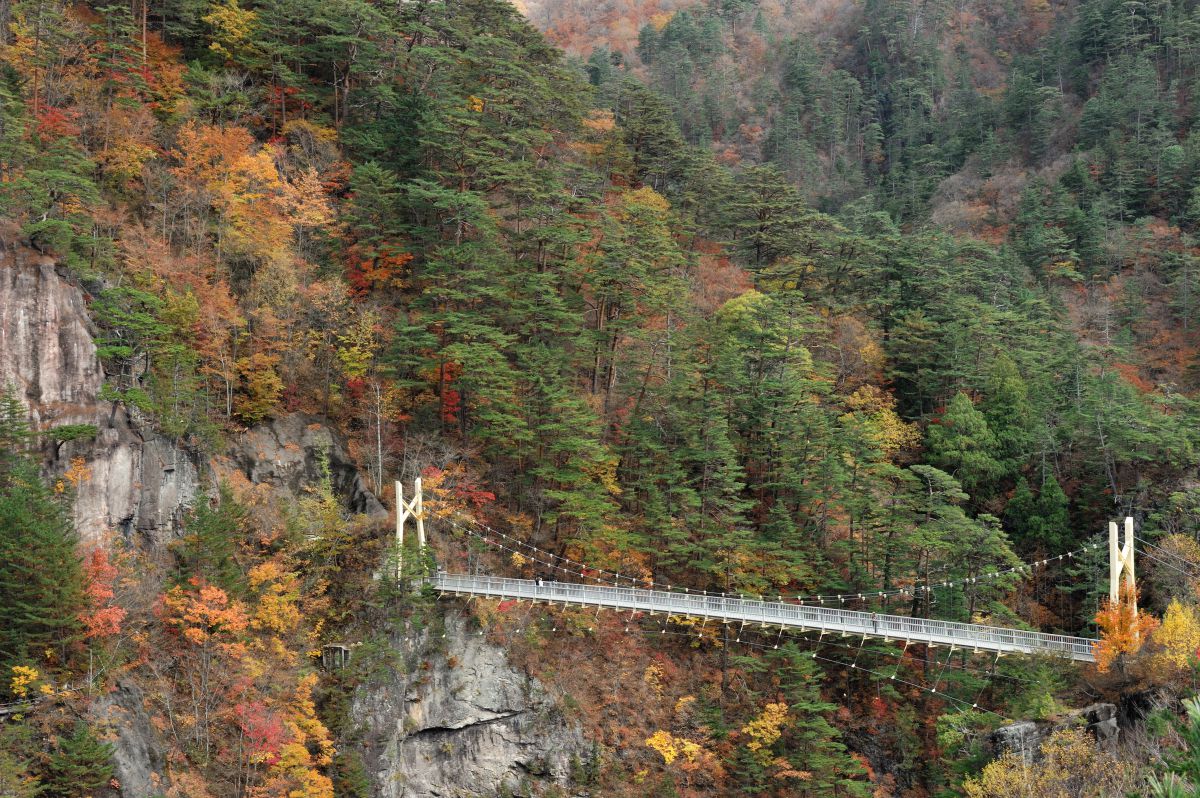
(971,636)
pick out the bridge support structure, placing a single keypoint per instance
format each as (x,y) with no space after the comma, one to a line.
(414,509)
(1120,563)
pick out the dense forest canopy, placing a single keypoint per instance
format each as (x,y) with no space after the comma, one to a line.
(738,295)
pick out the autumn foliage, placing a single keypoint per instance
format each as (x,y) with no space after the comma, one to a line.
(1124,629)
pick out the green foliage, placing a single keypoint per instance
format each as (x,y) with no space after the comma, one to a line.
(65,433)
(211,544)
(146,342)
(961,443)
(351,778)
(18,778)
(80,765)
(40,579)
(1180,776)
(810,743)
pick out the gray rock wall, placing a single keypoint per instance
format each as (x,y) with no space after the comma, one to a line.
(1025,738)
(467,725)
(139,483)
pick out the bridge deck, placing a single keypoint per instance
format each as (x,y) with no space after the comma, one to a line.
(770,613)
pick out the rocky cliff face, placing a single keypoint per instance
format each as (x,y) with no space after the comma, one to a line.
(290,453)
(139,483)
(1025,738)
(463,722)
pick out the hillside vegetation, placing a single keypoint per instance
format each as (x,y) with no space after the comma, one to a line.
(873,297)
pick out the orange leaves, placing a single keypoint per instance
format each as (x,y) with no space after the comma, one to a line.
(1123,630)
(1132,375)
(219,168)
(375,268)
(453,490)
(205,616)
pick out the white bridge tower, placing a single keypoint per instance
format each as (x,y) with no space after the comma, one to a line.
(414,509)
(1120,562)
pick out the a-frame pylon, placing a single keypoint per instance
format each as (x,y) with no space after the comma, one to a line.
(414,509)
(1120,562)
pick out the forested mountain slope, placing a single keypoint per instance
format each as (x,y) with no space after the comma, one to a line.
(876,296)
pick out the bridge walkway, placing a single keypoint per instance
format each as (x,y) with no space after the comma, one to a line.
(970,636)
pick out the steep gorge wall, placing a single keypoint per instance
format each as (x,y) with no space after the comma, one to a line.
(139,482)
(463,724)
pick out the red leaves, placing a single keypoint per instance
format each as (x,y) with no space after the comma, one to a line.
(371,268)
(463,488)
(57,123)
(101,619)
(263,730)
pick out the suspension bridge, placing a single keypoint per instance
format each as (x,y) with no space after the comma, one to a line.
(792,615)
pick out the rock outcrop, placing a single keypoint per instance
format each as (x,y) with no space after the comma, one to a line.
(1026,737)
(138,762)
(287,452)
(137,482)
(464,723)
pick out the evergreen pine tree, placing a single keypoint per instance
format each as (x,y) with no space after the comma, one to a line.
(811,744)
(209,546)
(40,576)
(81,765)
(961,443)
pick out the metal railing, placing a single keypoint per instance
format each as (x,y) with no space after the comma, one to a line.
(770,613)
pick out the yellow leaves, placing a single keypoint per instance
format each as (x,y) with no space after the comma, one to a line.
(660,20)
(1071,766)
(645,197)
(125,157)
(653,677)
(261,386)
(79,472)
(872,410)
(1177,639)
(233,27)
(1123,629)
(23,679)
(671,747)
(475,104)
(358,345)
(604,471)
(517,560)
(307,202)
(765,730)
(278,608)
